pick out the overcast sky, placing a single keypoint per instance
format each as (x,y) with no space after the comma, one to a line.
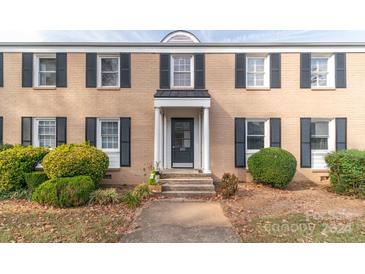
(203,35)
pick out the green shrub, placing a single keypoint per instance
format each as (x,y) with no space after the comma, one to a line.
(228,185)
(34,179)
(46,194)
(15,162)
(64,192)
(74,191)
(141,191)
(273,166)
(104,196)
(71,160)
(347,171)
(15,194)
(131,200)
(5,147)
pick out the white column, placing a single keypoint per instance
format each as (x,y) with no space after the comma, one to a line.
(156,157)
(206,156)
(161,140)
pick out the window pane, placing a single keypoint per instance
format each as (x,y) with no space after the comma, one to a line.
(182,79)
(319,128)
(255,128)
(319,143)
(255,142)
(47,64)
(182,71)
(47,133)
(47,78)
(109,135)
(109,64)
(109,79)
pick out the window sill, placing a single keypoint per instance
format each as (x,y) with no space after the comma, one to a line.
(45,88)
(182,88)
(258,88)
(324,88)
(108,88)
(320,170)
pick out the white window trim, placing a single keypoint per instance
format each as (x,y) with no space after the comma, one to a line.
(98,132)
(331,140)
(191,70)
(36,121)
(330,70)
(266,121)
(99,70)
(36,58)
(266,70)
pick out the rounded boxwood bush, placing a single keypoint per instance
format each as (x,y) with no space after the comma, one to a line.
(46,194)
(71,160)
(273,166)
(64,192)
(15,162)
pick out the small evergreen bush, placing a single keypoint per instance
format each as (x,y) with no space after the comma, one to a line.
(5,147)
(64,192)
(71,160)
(104,196)
(229,185)
(347,171)
(273,166)
(15,162)
(34,179)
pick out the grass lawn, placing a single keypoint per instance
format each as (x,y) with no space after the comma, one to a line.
(298,228)
(23,221)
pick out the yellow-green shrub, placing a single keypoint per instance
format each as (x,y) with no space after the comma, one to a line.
(71,160)
(15,162)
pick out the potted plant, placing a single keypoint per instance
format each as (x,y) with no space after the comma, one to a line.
(152,181)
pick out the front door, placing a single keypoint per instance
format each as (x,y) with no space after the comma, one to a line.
(182,141)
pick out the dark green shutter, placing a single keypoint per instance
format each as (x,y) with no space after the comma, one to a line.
(125,141)
(27,131)
(164,71)
(1,69)
(199,77)
(275,70)
(240,70)
(1,131)
(61,69)
(305,143)
(27,70)
(305,70)
(125,70)
(341,133)
(90,130)
(91,70)
(275,132)
(340,63)
(240,142)
(61,131)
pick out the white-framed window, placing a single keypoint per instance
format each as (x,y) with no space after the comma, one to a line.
(108,71)
(258,71)
(322,141)
(257,135)
(44,132)
(322,71)
(182,71)
(108,139)
(44,70)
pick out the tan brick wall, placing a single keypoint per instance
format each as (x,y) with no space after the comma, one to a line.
(290,103)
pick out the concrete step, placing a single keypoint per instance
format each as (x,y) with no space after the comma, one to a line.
(185,194)
(184,175)
(190,181)
(188,187)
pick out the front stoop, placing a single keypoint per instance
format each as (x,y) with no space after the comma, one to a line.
(186,183)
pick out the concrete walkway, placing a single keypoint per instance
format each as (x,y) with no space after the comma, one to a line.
(182,221)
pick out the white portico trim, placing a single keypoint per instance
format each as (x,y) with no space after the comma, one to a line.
(167,109)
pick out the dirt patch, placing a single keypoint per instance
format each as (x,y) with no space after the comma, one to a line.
(255,203)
